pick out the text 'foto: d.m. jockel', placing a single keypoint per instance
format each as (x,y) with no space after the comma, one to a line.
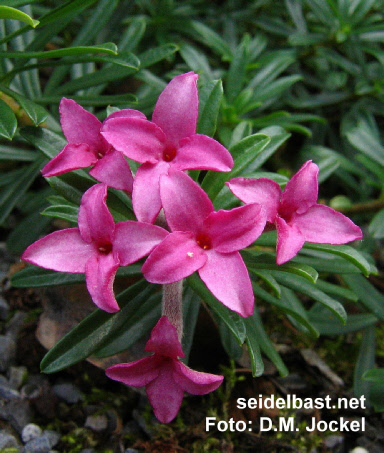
(192,237)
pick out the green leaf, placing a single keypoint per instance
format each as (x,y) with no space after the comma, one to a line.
(287,307)
(229,342)
(374,375)
(8,122)
(254,351)
(90,334)
(35,276)
(257,260)
(269,280)
(64,212)
(301,285)
(256,335)
(346,252)
(368,295)
(237,69)
(109,48)
(327,324)
(244,152)
(11,195)
(365,361)
(11,13)
(141,315)
(376,227)
(16,154)
(35,112)
(233,321)
(210,99)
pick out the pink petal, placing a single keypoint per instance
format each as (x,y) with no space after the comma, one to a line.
(79,125)
(200,152)
(289,240)
(164,394)
(174,259)
(100,273)
(301,191)
(63,251)
(112,169)
(195,382)
(95,221)
(71,157)
(322,225)
(185,203)
(226,276)
(164,340)
(235,229)
(136,138)
(133,240)
(176,109)
(138,373)
(126,113)
(146,191)
(263,191)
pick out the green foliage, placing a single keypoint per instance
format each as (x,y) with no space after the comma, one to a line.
(279,83)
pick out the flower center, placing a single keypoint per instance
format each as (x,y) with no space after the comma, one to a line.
(169,153)
(204,241)
(105,248)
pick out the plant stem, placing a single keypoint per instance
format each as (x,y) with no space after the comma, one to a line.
(173,305)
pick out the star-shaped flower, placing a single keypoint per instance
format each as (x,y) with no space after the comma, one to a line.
(165,378)
(295,212)
(97,247)
(169,140)
(87,147)
(205,241)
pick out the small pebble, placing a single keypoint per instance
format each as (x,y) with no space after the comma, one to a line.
(17,376)
(4,309)
(30,432)
(7,351)
(359,450)
(333,440)
(97,422)
(68,392)
(7,441)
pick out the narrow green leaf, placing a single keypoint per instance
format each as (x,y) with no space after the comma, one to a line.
(209,107)
(269,280)
(35,277)
(233,321)
(346,252)
(90,334)
(376,227)
(327,324)
(252,342)
(68,213)
(256,335)
(141,315)
(7,12)
(8,122)
(374,375)
(12,194)
(14,153)
(368,295)
(365,361)
(237,69)
(35,112)
(257,260)
(301,285)
(284,305)
(109,48)
(244,152)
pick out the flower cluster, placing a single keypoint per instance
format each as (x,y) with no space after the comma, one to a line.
(195,237)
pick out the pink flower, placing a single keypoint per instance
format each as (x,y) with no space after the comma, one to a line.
(170,140)
(97,247)
(165,378)
(295,213)
(86,146)
(205,241)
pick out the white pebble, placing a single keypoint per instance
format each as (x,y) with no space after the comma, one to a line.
(359,450)
(30,432)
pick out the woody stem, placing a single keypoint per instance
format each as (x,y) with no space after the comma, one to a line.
(172,306)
